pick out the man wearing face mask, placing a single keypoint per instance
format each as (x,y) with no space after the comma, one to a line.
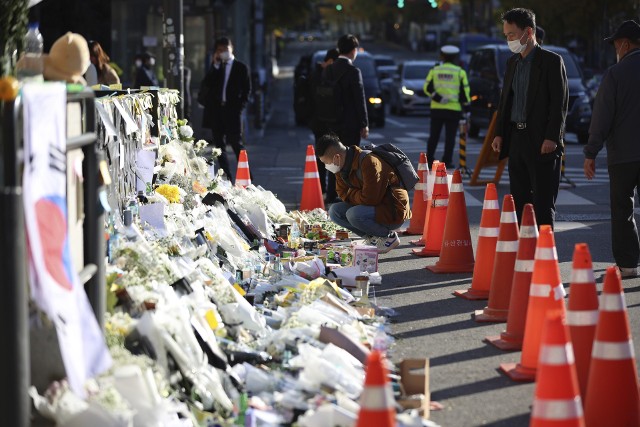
(616,111)
(530,123)
(145,75)
(228,85)
(374,203)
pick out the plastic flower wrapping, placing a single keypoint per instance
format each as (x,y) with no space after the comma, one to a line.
(203,327)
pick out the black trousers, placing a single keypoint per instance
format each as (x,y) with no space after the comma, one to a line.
(227,130)
(533,178)
(624,179)
(450,123)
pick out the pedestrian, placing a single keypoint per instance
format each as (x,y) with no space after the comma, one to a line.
(319,127)
(225,94)
(374,202)
(531,116)
(100,60)
(145,74)
(616,111)
(448,87)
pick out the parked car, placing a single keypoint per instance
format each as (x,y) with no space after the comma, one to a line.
(385,77)
(381,60)
(486,73)
(468,43)
(407,93)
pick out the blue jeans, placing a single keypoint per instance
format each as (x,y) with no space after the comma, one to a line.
(360,219)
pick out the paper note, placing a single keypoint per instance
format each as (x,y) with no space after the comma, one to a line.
(153,214)
(145,162)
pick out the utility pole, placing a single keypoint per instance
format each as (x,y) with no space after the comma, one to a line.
(173,47)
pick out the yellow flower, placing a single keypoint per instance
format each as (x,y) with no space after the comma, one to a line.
(170,192)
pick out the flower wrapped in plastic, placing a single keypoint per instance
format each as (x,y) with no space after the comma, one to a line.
(169,192)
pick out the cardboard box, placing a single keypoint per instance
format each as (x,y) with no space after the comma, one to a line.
(414,385)
(365,258)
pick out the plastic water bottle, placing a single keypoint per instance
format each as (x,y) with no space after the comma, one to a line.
(295,233)
(31,66)
(380,340)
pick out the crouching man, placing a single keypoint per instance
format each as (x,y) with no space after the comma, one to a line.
(374,203)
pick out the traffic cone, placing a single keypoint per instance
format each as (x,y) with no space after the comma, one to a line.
(311,189)
(428,194)
(243,177)
(486,247)
(612,390)
(419,208)
(456,253)
(511,339)
(503,266)
(556,401)
(582,312)
(376,402)
(437,215)
(546,293)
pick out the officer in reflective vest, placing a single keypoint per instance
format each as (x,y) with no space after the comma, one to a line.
(448,87)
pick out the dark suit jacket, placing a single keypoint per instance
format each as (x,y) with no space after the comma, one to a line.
(238,90)
(547,102)
(352,96)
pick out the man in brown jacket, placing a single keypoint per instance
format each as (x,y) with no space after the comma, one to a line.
(374,203)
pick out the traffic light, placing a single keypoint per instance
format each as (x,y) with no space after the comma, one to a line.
(400,4)
(433,3)
(339,7)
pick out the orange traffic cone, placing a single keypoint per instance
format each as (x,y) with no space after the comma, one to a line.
(430,179)
(511,339)
(612,390)
(419,208)
(556,401)
(311,189)
(437,215)
(546,293)
(243,177)
(505,259)
(456,253)
(486,247)
(376,402)
(582,312)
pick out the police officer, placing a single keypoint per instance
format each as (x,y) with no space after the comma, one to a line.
(448,87)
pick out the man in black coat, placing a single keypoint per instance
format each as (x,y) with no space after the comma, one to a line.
(226,88)
(531,117)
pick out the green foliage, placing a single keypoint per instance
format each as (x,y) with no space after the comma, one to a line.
(286,14)
(13,26)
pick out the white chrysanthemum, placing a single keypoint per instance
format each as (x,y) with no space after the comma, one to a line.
(215,152)
(185,131)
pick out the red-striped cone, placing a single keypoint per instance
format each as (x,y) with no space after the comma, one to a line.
(545,294)
(311,189)
(456,253)
(612,390)
(376,402)
(557,401)
(419,208)
(503,266)
(582,312)
(511,339)
(430,179)
(486,247)
(243,177)
(437,215)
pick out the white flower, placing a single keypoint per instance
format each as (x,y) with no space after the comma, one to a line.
(215,152)
(185,132)
(200,145)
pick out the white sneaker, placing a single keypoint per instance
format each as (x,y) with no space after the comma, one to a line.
(391,242)
(371,240)
(628,272)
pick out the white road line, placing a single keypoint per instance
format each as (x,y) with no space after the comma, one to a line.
(396,123)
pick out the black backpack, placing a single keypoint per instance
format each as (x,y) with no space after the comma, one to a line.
(327,99)
(396,158)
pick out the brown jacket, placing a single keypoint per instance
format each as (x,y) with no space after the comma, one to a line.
(376,186)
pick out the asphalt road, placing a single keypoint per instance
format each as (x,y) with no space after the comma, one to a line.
(431,322)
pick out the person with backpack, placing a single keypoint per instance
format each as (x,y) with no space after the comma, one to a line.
(375,200)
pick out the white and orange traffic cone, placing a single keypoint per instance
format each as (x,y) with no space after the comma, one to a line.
(243,177)
(437,215)
(430,179)
(419,208)
(557,400)
(612,390)
(311,188)
(377,405)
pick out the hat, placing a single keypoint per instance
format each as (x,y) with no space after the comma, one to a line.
(627,30)
(450,50)
(68,59)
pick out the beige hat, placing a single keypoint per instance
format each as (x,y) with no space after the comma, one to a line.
(68,59)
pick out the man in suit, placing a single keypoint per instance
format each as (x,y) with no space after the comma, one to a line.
(353,122)
(531,117)
(145,74)
(228,84)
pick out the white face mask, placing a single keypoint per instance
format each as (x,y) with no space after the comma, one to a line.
(515,46)
(138,63)
(225,56)
(152,62)
(333,168)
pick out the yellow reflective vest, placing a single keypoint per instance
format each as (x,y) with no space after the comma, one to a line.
(447,81)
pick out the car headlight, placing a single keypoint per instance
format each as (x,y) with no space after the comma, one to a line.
(375,100)
(407,91)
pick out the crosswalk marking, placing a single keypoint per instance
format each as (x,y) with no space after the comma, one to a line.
(406,139)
